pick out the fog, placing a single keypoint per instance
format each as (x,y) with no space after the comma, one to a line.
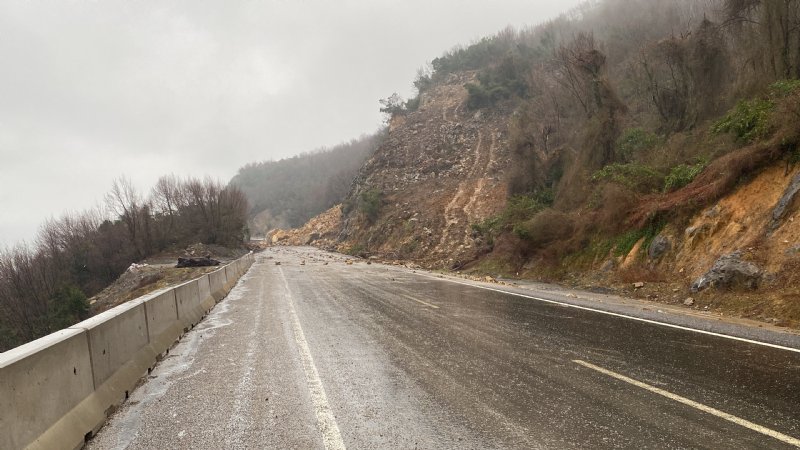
(95,90)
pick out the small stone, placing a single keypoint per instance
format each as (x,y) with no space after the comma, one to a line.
(277,263)
(689,301)
(638,285)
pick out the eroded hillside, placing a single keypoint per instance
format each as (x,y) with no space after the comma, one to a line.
(441,169)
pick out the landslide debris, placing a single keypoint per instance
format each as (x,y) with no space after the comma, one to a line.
(729,271)
(441,169)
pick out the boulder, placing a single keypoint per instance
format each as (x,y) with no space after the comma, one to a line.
(729,271)
(658,247)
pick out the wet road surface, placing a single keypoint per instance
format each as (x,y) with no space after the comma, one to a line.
(317,353)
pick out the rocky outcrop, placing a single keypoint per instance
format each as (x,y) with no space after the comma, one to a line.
(785,202)
(658,247)
(729,271)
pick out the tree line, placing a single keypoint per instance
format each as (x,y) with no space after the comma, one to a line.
(44,286)
(289,192)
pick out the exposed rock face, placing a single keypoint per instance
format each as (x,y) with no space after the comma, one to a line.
(658,247)
(441,169)
(729,271)
(785,202)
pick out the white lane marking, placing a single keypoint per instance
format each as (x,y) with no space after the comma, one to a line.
(420,301)
(707,409)
(331,436)
(624,316)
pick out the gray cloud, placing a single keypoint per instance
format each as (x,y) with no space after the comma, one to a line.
(90,91)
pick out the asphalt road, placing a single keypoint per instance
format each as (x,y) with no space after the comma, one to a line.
(330,355)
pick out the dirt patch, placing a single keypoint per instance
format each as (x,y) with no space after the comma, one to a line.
(740,222)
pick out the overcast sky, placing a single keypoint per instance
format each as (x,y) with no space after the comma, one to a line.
(92,90)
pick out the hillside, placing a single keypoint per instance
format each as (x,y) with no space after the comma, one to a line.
(652,152)
(441,169)
(288,192)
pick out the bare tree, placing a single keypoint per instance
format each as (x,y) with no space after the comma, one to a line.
(126,203)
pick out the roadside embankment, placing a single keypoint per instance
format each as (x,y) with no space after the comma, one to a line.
(57,391)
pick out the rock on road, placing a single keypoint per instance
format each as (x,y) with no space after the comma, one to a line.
(317,353)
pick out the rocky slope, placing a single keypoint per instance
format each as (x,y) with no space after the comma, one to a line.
(441,169)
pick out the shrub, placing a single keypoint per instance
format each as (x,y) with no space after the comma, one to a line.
(638,177)
(681,175)
(634,141)
(794,152)
(523,207)
(412,104)
(370,203)
(477,96)
(504,81)
(748,121)
(393,105)
(547,226)
(784,88)
(356,250)
(68,306)
(519,208)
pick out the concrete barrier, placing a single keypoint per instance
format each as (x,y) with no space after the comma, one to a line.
(190,310)
(231,276)
(120,354)
(114,336)
(58,390)
(42,381)
(217,282)
(163,327)
(206,299)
